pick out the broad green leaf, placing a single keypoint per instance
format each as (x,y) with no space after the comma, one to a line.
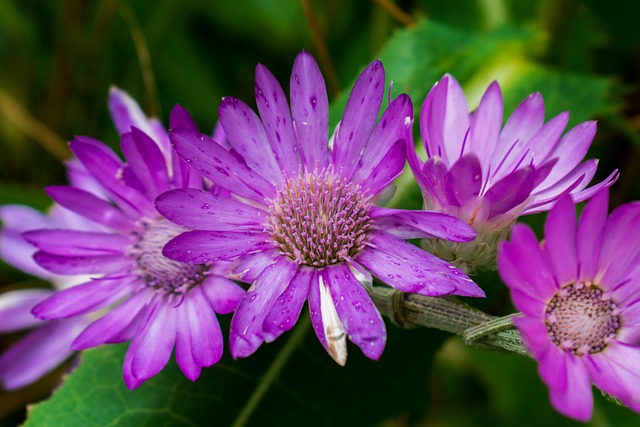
(310,390)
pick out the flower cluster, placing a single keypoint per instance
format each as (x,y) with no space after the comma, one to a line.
(273,212)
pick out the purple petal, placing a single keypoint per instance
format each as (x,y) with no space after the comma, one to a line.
(246,135)
(510,191)
(129,380)
(394,125)
(444,120)
(315,310)
(410,269)
(615,371)
(184,354)
(276,119)
(621,240)
(126,114)
(525,267)
(107,169)
(201,210)
(97,264)
(15,308)
(352,134)
(180,118)
(206,336)
(523,123)
(246,334)
(590,234)
(91,207)
(421,224)
(486,122)
(77,243)
(38,353)
(310,111)
(575,181)
(434,174)
(82,298)
(219,165)
(576,400)
(110,327)
(387,170)
(552,366)
(361,319)
(223,294)
(248,267)
(560,236)
(533,151)
(579,195)
(286,311)
(146,161)
(534,335)
(200,247)
(570,151)
(464,179)
(154,342)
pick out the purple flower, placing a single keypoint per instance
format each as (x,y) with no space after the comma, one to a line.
(162,304)
(301,223)
(579,294)
(48,344)
(488,175)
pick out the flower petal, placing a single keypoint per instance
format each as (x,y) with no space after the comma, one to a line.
(410,269)
(96,264)
(421,224)
(620,249)
(77,243)
(444,120)
(201,210)
(219,165)
(485,125)
(576,399)
(223,294)
(510,191)
(126,114)
(206,336)
(146,161)
(362,321)
(248,267)
(201,247)
(560,237)
(91,207)
(82,298)
(464,179)
(310,111)
(246,135)
(154,342)
(387,170)
(37,353)
(394,125)
(615,371)
(184,354)
(286,311)
(246,333)
(351,136)
(15,308)
(276,119)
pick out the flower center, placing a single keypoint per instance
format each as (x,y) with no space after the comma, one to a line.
(159,271)
(319,219)
(582,318)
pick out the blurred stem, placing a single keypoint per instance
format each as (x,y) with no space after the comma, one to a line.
(144,57)
(479,330)
(38,131)
(321,48)
(273,372)
(400,15)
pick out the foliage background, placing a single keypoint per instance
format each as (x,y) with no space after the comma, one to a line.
(60,58)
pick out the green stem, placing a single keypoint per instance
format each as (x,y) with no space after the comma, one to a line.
(273,372)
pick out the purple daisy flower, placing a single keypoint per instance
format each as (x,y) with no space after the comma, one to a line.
(579,294)
(49,343)
(301,224)
(162,303)
(487,175)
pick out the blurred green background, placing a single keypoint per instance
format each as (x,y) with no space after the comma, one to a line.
(60,58)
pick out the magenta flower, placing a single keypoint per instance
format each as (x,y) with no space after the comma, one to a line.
(162,304)
(301,223)
(48,344)
(579,294)
(488,175)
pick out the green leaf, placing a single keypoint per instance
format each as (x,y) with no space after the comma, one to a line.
(309,390)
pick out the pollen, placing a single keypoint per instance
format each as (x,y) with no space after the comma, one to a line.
(582,318)
(158,271)
(319,219)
